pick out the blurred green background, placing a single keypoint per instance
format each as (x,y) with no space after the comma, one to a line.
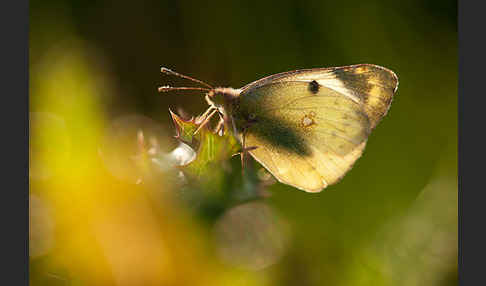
(98,218)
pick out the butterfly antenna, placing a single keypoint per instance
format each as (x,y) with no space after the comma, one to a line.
(169,88)
(171,72)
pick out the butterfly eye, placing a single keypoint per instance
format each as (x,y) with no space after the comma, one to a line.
(252,116)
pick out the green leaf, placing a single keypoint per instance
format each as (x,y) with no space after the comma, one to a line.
(213,150)
(185,130)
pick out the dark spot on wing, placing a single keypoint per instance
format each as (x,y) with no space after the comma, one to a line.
(313,87)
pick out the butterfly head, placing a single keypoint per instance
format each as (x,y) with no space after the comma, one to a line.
(222,97)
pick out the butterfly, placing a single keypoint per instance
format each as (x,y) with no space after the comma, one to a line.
(306,127)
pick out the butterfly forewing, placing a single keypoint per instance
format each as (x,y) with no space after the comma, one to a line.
(371,85)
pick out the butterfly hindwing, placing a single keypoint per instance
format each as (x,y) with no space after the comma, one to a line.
(305,139)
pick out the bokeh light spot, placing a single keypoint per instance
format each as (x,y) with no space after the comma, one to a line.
(251,236)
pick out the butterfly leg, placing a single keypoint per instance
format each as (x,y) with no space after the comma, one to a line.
(220,127)
(211,108)
(206,120)
(244,150)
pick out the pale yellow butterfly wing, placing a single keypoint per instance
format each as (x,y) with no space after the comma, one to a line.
(311,126)
(309,141)
(371,85)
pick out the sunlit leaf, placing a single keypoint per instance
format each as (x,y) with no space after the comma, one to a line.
(185,130)
(213,150)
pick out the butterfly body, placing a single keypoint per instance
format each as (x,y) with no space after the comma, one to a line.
(308,126)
